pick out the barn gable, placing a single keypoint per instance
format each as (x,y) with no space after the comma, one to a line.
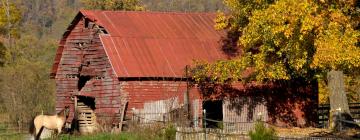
(84,76)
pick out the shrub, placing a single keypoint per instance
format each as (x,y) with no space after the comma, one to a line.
(170,132)
(261,132)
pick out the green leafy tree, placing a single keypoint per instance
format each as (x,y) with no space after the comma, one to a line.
(25,87)
(26,90)
(128,5)
(10,17)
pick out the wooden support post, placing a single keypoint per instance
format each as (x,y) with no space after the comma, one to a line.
(204,123)
(186,96)
(122,115)
(123,102)
(75,107)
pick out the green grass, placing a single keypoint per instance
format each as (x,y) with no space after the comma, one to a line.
(137,133)
(5,134)
(13,136)
(145,133)
(108,136)
(262,132)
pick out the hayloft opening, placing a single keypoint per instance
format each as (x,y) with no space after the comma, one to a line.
(214,113)
(87,101)
(82,81)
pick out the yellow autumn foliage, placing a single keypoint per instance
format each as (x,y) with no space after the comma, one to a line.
(285,39)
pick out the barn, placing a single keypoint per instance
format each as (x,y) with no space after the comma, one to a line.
(115,66)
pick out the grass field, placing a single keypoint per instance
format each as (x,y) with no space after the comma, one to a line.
(102,136)
(135,133)
(12,136)
(107,136)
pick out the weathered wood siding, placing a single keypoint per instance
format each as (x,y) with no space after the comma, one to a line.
(165,95)
(83,55)
(239,114)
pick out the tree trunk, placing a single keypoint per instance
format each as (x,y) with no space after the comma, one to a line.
(340,118)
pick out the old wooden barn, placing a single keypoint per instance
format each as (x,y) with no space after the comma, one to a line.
(112,66)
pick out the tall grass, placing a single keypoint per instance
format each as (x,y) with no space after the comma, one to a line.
(137,133)
(109,136)
(262,132)
(12,136)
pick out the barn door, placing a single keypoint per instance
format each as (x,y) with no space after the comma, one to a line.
(85,107)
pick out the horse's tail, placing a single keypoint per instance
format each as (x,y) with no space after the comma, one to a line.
(32,126)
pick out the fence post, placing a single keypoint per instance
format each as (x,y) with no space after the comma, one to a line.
(204,123)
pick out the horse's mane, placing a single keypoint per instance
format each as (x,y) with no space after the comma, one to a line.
(61,113)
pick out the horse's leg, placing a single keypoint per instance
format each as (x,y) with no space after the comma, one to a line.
(37,130)
(59,131)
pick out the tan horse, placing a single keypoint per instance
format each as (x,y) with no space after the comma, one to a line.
(51,122)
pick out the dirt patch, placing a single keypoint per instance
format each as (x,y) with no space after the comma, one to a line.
(301,132)
(316,132)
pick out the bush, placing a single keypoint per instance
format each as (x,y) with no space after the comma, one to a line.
(170,132)
(261,132)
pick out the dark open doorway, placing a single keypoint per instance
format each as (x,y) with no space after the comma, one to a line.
(82,81)
(86,101)
(84,120)
(214,111)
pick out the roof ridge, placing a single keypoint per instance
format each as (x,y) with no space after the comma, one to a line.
(152,12)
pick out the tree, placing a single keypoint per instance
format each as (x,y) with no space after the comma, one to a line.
(287,39)
(127,5)
(25,87)
(10,17)
(9,22)
(26,90)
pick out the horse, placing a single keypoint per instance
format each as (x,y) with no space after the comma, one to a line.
(51,122)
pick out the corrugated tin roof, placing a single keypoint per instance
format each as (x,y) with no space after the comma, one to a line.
(157,44)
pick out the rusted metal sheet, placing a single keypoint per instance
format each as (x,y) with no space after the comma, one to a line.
(150,57)
(155,44)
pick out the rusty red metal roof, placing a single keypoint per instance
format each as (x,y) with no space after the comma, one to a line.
(155,44)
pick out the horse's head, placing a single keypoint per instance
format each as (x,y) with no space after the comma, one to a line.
(67,111)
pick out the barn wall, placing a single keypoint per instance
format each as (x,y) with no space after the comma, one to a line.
(244,110)
(283,103)
(84,56)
